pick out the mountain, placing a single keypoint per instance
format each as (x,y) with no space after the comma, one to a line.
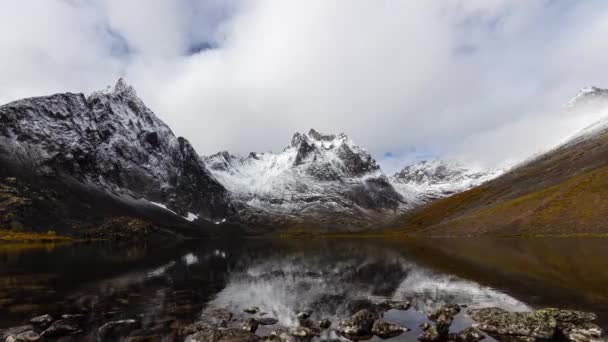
(109,147)
(318,178)
(429,180)
(563,191)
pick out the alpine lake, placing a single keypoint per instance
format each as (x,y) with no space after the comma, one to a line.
(166,291)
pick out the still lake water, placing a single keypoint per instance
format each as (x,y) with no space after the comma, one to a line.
(166,286)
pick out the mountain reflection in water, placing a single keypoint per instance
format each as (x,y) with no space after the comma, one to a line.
(182,283)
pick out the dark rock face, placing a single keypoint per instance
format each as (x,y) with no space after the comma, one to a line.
(539,324)
(112,142)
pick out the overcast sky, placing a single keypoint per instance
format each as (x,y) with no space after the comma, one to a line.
(478,80)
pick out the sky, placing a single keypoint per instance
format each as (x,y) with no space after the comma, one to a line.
(482,81)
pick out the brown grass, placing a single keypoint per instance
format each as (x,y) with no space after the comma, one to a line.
(12,236)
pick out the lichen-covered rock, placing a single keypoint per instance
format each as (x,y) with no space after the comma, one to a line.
(222,335)
(384,329)
(569,316)
(358,327)
(495,321)
(539,324)
(448,310)
(582,332)
(281,334)
(467,335)
(433,333)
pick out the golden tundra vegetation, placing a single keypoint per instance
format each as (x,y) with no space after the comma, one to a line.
(561,193)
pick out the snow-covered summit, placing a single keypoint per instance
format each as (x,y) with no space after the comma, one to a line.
(432,179)
(588,96)
(315,172)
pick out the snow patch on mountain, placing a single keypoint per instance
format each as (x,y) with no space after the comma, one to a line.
(428,180)
(189,217)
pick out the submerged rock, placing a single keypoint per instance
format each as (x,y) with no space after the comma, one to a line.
(250,325)
(42,322)
(267,320)
(252,310)
(358,327)
(324,323)
(61,327)
(303,333)
(384,329)
(117,329)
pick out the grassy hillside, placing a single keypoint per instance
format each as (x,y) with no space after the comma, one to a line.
(564,192)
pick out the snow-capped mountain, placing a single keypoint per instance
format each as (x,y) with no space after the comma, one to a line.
(316,175)
(111,142)
(590,100)
(429,180)
(589,96)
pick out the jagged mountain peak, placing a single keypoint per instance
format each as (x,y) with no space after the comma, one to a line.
(121,87)
(112,141)
(315,176)
(313,137)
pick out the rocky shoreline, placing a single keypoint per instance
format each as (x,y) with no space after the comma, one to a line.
(366,322)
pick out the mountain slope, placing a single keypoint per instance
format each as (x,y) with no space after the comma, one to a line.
(318,178)
(427,181)
(563,191)
(110,144)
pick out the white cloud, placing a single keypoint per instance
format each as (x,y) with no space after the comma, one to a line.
(481,80)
